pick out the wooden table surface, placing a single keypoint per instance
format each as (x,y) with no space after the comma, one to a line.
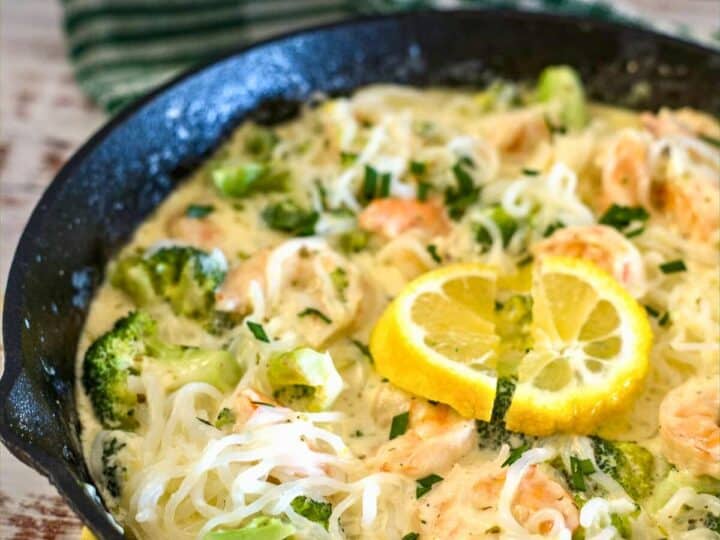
(43,118)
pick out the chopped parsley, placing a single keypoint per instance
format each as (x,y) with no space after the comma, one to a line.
(515,454)
(411,536)
(199,211)
(554,128)
(458,199)
(369,183)
(418,168)
(316,511)
(258,331)
(316,313)
(622,217)
(423,188)
(425,484)
(432,250)
(554,226)
(362,348)
(399,424)
(347,158)
(224,418)
(385,179)
(289,217)
(203,421)
(665,319)
(671,267)
(579,468)
(340,281)
(652,311)
(354,241)
(506,224)
(530,172)
(710,140)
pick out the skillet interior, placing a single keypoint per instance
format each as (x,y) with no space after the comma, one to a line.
(124,171)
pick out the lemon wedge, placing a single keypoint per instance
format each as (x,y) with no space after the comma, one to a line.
(436,337)
(584,356)
(591,343)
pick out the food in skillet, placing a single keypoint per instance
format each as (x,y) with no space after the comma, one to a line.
(421,314)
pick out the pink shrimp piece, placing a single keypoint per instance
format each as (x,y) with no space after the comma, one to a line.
(464,504)
(199,233)
(603,246)
(234,294)
(246,404)
(436,438)
(690,426)
(692,204)
(390,217)
(680,122)
(626,176)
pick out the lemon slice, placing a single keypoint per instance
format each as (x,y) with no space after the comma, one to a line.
(584,358)
(437,338)
(591,342)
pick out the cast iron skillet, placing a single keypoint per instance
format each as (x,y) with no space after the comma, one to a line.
(129,166)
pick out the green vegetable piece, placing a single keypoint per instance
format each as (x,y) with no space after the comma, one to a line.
(561,85)
(494,434)
(399,424)
(226,417)
(458,199)
(258,331)
(676,480)
(710,140)
(340,281)
(411,536)
(311,311)
(418,168)
(238,180)
(113,473)
(507,225)
(316,511)
(260,142)
(515,454)
(199,211)
(260,528)
(432,250)
(183,276)
(288,216)
(354,241)
(425,484)
(369,186)
(672,267)
(304,379)
(621,217)
(628,463)
(579,468)
(133,345)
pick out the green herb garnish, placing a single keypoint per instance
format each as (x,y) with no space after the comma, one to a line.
(530,172)
(432,250)
(369,183)
(316,313)
(423,188)
(425,484)
(385,179)
(362,348)
(418,168)
(411,536)
(199,211)
(515,454)
(224,418)
(554,226)
(665,319)
(579,468)
(671,267)
(399,424)
(289,217)
(258,331)
(316,511)
(621,217)
(347,158)
(652,311)
(710,140)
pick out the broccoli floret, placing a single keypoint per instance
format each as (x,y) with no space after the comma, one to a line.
(260,528)
(676,480)
(184,276)
(287,216)
(133,345)
(316,511)
(493,434)
(304,379)
(561,85)
(631,465)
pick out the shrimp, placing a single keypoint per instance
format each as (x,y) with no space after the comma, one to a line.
(690,426)
(464,504)
(680,122)
(626,175)
(246,404)
(199,233)
(687,195)
(602,245)
(303,283)
(390,217)
(437,437)
(516,132)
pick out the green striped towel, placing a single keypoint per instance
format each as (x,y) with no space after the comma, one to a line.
(121,49)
